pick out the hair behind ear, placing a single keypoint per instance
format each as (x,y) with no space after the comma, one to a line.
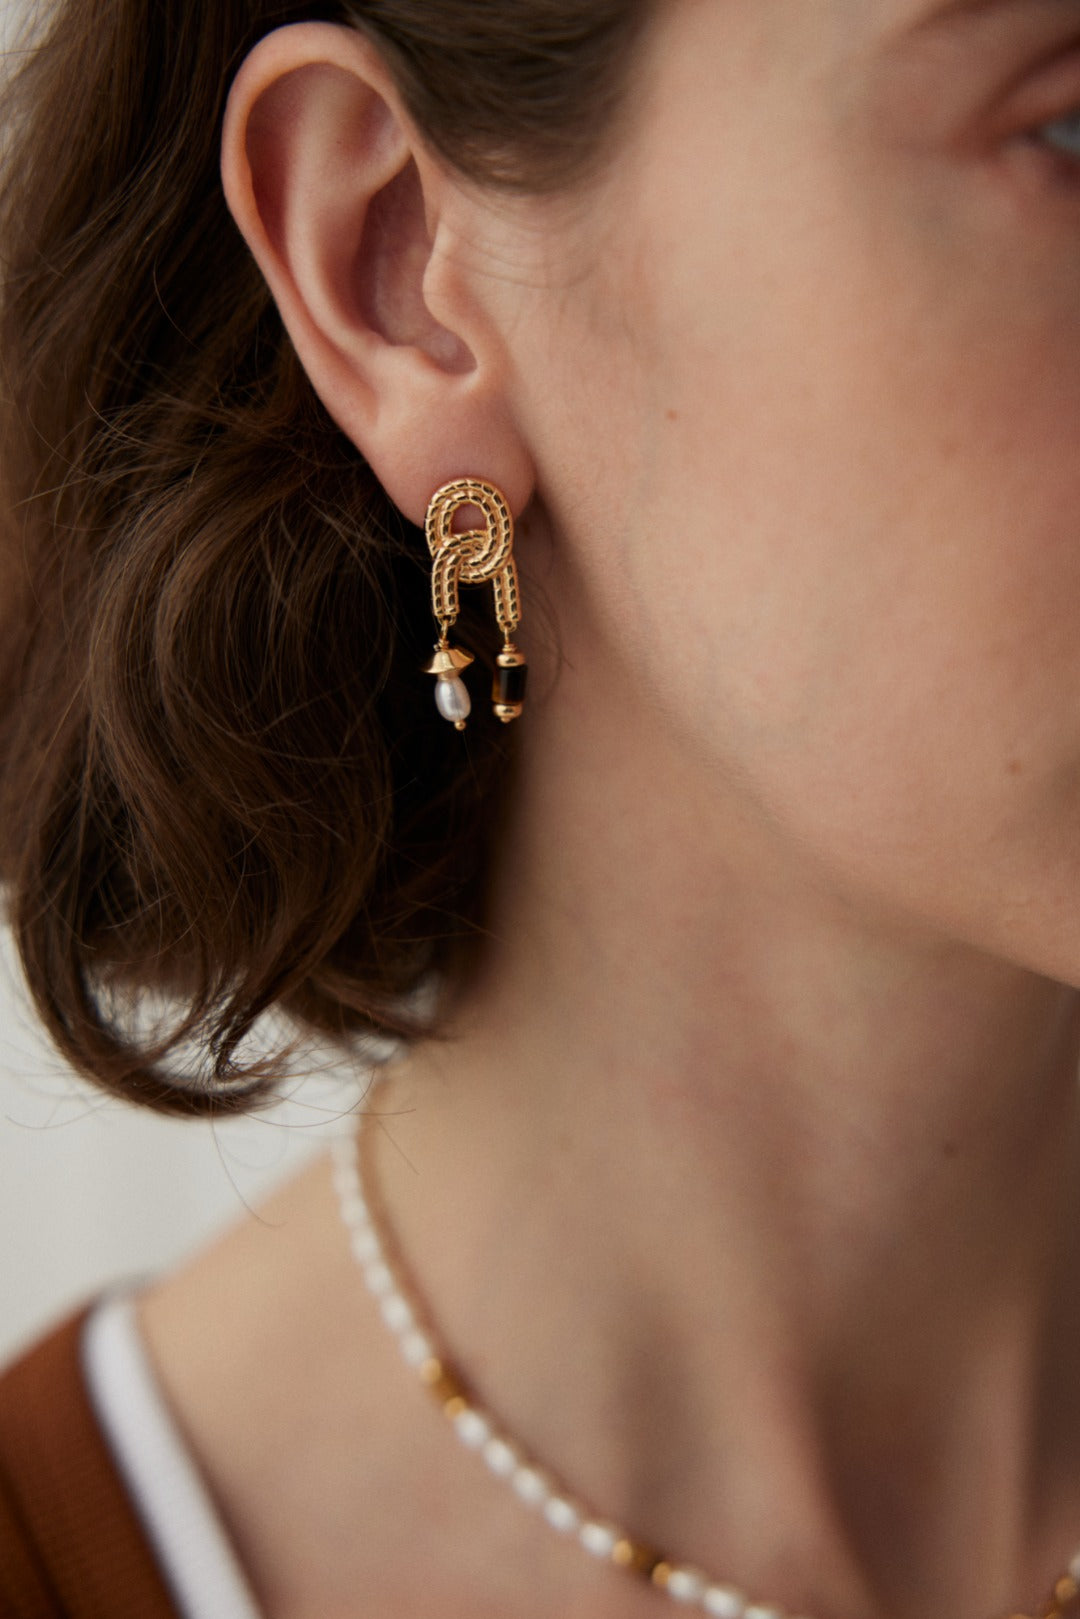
(221,769)
(221,772)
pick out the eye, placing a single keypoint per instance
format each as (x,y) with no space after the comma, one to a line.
(1063,135)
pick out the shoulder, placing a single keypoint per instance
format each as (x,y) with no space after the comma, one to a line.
(70,1541)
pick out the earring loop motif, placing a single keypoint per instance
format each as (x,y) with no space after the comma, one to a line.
(474,556)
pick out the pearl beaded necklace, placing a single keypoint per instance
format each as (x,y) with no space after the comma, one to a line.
(507,1460)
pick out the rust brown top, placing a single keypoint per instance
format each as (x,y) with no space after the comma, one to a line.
(71,1545)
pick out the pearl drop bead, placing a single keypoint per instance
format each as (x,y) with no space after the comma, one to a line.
(599,1539)
(452,698)
(562,1515)
(724,1602)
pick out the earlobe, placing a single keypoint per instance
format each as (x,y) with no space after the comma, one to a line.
(340,204)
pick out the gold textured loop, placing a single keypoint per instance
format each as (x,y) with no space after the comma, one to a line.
(475,556)
(507,608)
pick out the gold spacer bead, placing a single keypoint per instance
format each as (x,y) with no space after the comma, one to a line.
(443,1385)
(454,1406)
(1066,1594)
(446,1390)
(633,1556)
(661,1574)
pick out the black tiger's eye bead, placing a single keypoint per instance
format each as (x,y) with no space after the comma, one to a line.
(509,684)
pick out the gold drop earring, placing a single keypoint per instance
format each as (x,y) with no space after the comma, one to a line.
(473,557)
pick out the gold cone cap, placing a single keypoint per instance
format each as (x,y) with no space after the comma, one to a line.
(448,660)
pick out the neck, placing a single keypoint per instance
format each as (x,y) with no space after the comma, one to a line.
(793,1180)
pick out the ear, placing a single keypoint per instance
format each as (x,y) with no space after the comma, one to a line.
(347,214)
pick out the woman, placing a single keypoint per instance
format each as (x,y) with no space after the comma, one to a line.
(731,1145)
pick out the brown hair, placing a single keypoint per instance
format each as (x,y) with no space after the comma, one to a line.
(221,773)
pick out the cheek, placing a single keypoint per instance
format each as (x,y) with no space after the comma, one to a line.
(847,538)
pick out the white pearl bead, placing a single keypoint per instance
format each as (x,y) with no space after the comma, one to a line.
(452,698)
(531,1485)
(562,1515)
(354,1209)
(1074,1567)
(472,1428)
(396,1312)
(686,1585)
(365,1246)
(724,1602)
(379,1279)
(417,1347)
(599,1538)
(502,1458)
(345,1179)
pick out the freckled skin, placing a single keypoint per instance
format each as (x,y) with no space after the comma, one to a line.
(851,383)
(746,1178)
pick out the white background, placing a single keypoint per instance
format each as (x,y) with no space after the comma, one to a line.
(93,1190)
(13,13)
